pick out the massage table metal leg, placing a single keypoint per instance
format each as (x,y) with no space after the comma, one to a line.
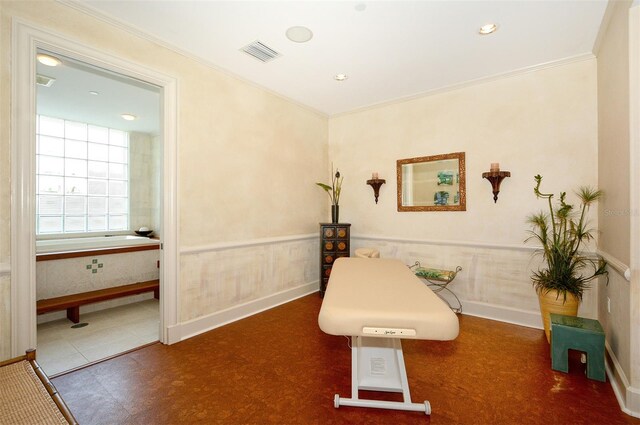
(377,364)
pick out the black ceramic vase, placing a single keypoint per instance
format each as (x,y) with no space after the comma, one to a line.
(335,212)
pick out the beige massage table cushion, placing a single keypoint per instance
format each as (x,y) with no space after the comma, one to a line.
(383,294)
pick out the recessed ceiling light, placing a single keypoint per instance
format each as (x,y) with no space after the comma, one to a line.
(48,59)
(488,29)
(340,77)
(129,117)
(94,93)
(299,34)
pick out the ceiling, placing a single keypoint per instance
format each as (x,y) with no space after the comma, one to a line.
(88,94)
(389,50)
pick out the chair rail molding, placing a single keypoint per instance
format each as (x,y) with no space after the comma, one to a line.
(469,244)
(245,244)
(616,264)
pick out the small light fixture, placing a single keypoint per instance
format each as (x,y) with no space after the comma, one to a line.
(488,29)
(129,117)
(93,93)
(375,182)
(299,34)
(495,177)
(340,77)
(48,60)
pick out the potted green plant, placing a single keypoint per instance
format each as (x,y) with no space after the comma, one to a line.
(567,271)
(334,193)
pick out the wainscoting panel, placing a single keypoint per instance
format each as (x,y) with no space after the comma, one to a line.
(494,282)
(216,279)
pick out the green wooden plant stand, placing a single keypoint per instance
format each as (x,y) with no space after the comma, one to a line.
(577,333)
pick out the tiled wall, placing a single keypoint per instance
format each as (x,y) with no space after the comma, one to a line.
(215,279)
(145,166)
(74,275)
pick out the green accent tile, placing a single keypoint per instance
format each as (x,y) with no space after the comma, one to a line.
(94,261)
(94,271)
(100,265)
(88,266)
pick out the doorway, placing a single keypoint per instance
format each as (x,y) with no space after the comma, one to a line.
(98,173)
(29,40)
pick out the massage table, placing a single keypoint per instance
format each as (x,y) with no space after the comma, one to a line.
(377,302)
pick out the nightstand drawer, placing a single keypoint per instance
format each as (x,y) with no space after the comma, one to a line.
(326,271)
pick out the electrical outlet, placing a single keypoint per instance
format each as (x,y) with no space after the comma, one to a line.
(608,305)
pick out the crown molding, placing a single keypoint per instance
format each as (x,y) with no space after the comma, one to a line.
(475,82)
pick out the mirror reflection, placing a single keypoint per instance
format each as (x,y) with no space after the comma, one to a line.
(432,183)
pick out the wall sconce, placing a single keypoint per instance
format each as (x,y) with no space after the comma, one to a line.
(495,176)
(375,183)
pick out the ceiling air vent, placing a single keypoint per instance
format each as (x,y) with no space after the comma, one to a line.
(260,51)
(43,80)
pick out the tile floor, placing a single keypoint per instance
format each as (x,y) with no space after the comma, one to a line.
(112,331)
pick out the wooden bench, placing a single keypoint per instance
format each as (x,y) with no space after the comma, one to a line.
(72,303)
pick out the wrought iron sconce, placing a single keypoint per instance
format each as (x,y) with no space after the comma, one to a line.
(495,176)
(375,183)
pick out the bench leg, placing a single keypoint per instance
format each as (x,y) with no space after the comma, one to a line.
(73,314)
(156,293)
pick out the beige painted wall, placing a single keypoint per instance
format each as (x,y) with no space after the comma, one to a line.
(613,159)
(5,190)
(613,133)
(247,158)
(539,122)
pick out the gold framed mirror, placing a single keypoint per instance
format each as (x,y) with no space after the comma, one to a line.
(432,183)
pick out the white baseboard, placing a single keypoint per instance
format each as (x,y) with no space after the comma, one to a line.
(633,402)
(628,397)
(197,326)
(530,319)
(191,328)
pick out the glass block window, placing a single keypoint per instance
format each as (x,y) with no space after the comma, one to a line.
(82,177)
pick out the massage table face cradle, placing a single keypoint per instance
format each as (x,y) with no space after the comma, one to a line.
(357,289)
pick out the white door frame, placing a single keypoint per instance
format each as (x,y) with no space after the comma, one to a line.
(26,39)
(632,396)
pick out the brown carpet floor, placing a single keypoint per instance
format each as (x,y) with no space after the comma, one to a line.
(277,367)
